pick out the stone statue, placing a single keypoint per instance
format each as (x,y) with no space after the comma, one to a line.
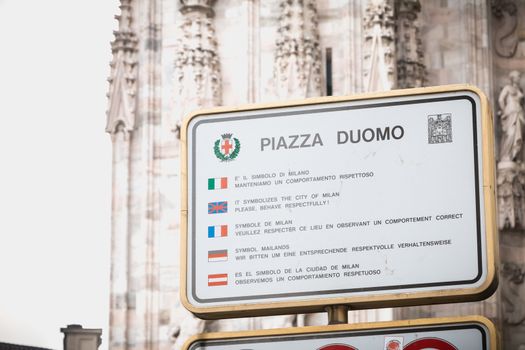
(187,326)
(506,36)
(511,165)
(512,119)
(513,293)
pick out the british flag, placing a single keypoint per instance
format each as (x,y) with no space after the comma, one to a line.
(217,207)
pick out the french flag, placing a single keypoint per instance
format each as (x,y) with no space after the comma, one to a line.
(217,231)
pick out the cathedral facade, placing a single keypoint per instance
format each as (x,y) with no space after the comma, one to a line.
(171,57)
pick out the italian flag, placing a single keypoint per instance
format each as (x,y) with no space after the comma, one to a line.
(217,183)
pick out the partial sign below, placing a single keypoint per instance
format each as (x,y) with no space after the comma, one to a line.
(372,201)
(468,333)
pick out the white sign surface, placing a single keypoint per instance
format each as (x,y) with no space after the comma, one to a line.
(357,198)
(468,336)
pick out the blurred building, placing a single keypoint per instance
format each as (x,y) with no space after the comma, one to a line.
(173,56)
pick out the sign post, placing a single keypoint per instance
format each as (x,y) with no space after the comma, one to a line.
(465,333)
(368,201)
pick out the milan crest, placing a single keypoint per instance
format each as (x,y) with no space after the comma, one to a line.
(227,149)
(393,345)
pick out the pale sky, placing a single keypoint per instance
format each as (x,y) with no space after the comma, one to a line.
(55,173)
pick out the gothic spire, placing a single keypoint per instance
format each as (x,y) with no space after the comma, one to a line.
(123,77)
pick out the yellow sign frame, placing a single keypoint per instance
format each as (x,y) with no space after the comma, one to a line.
(423,322)
(356,302)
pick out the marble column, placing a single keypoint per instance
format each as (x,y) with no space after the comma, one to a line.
(380,69)
(197,84)
(197,74)
(121,117)
(411,70)
(297,65)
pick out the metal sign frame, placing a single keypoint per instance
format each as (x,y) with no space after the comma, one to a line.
(397,327)
(487,171)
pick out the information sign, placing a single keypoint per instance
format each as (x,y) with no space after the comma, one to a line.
(370,201)
(469,333)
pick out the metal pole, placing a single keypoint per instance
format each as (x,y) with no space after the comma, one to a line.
(337,314)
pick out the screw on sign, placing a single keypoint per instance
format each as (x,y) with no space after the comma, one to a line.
(430,344)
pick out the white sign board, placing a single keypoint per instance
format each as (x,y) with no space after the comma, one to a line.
(341,201)
(464,335)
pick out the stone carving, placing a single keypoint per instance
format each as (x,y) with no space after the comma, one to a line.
(188,326)
(123,77)
(197,84)
(393,53)
(197,75)
(513,293)
(379,46)
(511,195)
(512,119)
(511,167)
(411,71)
(506,36)
(297,66)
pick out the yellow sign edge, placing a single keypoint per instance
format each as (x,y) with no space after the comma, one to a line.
(493,338)
(358,302)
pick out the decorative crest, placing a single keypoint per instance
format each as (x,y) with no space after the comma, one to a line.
(225,150)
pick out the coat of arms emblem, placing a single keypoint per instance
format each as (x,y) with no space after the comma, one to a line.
(227,148)
(440,128)
(393,345)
